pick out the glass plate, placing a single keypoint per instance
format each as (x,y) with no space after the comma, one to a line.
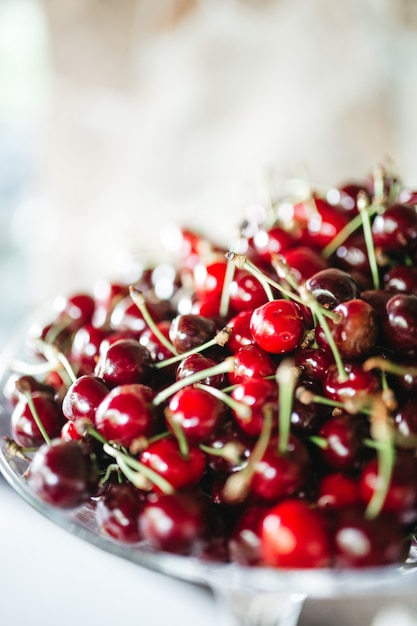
(248,595)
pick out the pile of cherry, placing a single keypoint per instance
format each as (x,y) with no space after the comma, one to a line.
(254,405)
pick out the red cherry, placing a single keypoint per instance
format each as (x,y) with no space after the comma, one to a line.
(255,394)
(245,292)
(277,326)
(285,542)
(241,334)
(304,262)
(125,414)
(124,362)
(83,397)
(24,428)
(251,361)
(164,457)
(337,490)
(196,412)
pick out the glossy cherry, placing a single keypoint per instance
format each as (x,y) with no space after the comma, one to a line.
(124,362)
(196,412)
(277,326)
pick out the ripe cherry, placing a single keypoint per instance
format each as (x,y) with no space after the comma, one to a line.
(124,362)
(64,473)
(251,361)
(400,326)
(24,427)
(332,286)
(117,510)
(125,414)
(83,397)
(255,394)
(285,542)
(196,412)
(277,326)
(395,230)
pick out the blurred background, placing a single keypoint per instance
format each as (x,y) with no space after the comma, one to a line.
(118,118)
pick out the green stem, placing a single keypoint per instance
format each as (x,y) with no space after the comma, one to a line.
(36,417)
(286,377)
(219,340)
(345,233)
(369,241)
(139,299)
(225,366)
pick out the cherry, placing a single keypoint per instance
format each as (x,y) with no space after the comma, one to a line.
(63,473)
(157,350)
(270,242)
(401,497)
(401,279)
(337,490)
(85,348)
(313,362)
(228,450)
(196,363)
(196,412)
(285,542)
(245,292)
(124,362)
(251,361)
(359,386)
(127,316)
(174,523)
(209,280)
(344,435)
(277,326)
(125,415)
(279,475)
(191,331)
(83,397)
(304,262)
(241,334)
(24,427)
(77,309)
(400,324)
(117,511)
(164,457)
(332,286)
(244,543)
(362,542)
(255,394)
(355,332)
(395,230)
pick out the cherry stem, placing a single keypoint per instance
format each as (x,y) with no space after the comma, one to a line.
(13,448)
(139,299)
(384,444)
(26,393)
(305,396)
(242,409)
(179,435)
(343,234)
(237,485)
(225,366)
(241,261)
(363,207)
(229,451)
(286,377)
(136,472)
(225,296)
(220,339)
(388,366)
(320,442)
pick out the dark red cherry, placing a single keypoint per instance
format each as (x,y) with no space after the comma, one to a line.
(355,332)
(231,449)
(148,339)
(174,523)
(277,326)
(197,362)
(190,331)
(395,230)
(279,475)
(313,362)
(244,543)
(362,542)
(285,542)
(344,435)
(332,286)
(164,457)
(124,362)
(324,222)
(400,328)
(83,397)
(358,387)
(63,473)
(125,415)
(196,412)
(24,428)
(117,511)
(401,279)
(78,309)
